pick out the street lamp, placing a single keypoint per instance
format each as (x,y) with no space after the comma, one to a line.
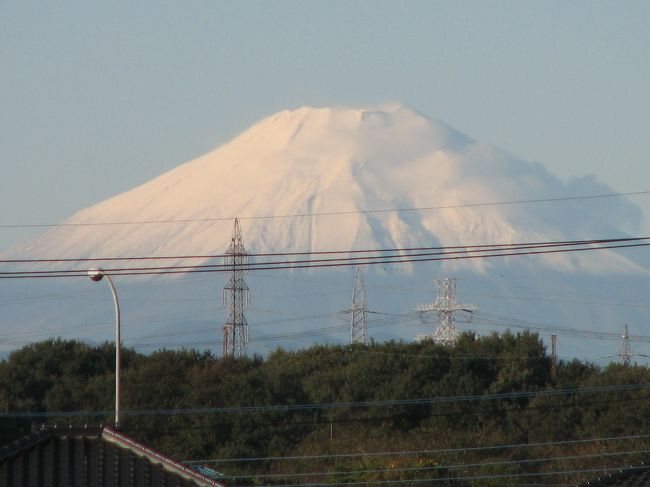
(97,275)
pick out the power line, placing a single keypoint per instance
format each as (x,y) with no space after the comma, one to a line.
(16,339)
(451,357)
(311,264)
(381,419)
(406,318)
(423,452)
(551,243)
(558,300)
(331,213)
(456,466)
(496,320)
(338,405)
(469,477)
(20,338)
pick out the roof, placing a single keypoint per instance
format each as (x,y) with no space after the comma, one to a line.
(638,476)
(92,456)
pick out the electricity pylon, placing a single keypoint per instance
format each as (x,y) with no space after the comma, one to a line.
(358,310)
(625,353)
(236,296)
(446,307)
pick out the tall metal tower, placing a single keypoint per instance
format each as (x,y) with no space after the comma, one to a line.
(626,351)
(358,310)
(446,306)
(236,296)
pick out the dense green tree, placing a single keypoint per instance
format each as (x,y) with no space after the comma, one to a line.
(64,376)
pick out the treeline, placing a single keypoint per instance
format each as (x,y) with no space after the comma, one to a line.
(467,412)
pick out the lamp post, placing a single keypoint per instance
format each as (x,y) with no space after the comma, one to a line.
(97,275)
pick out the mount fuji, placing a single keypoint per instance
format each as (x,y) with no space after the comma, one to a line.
(322,179)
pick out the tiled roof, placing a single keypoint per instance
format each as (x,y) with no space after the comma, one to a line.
(102,457)
(638,476)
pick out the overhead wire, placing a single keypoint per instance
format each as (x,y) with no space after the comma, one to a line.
(456,466)
(463,449)
(338,405)
(449,357)
(497,320)
(26,336)
(463,478)
(386,319)
(330,213)
(560,300)
(513,250)
(551,243)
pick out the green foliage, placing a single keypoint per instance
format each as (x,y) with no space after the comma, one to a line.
(59,375)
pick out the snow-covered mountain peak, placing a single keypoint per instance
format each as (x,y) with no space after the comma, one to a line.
(304,180)
(352,132)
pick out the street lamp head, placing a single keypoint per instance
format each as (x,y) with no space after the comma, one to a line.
(95,274)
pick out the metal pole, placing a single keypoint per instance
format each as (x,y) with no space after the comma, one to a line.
(97,275)
(118,346)
(553,356)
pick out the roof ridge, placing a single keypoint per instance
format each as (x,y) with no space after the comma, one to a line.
(119,438)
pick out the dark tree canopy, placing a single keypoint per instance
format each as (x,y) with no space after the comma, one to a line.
(64,376)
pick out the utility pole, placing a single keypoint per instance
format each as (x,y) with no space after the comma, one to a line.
(553,356)
(358,324)
(236,296)
(446,306)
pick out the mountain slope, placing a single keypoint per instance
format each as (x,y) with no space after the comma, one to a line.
(311,179)
(345,161)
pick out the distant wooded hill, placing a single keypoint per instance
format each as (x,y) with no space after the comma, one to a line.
(441,405)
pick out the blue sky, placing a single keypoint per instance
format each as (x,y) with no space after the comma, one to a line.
(98,97)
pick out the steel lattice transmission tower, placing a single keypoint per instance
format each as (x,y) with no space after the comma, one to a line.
(626,350)
(625,353)
(446,306)
(236,297)
(358,310)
